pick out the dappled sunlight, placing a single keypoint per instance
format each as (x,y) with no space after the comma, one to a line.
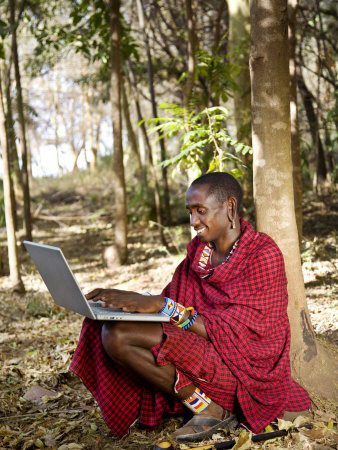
(38,338)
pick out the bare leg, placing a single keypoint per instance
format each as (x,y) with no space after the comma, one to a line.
(129,345)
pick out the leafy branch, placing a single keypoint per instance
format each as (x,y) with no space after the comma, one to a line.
(205,142)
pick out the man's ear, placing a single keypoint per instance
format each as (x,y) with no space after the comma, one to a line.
(232,208)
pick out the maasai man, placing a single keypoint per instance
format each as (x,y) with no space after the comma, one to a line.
(225,352)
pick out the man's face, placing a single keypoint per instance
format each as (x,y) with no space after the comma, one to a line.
(208,217)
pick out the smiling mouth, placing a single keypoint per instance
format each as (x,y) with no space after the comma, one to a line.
(200,230)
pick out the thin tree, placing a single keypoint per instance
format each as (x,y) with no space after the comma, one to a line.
(295,145)
(22,125)
(12,147)
(130,131)
(149,152)
(154,109)
(239,46)
(13,259)
(308,101)
(273,183)
(115,97)
(189,85)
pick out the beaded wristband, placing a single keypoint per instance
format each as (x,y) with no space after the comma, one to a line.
(181,325)
(191,321)
(192,312)
(178,315)
(169,308)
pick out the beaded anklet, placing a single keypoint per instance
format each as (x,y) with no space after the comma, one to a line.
(197,402)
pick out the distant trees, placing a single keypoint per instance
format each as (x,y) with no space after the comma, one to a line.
(317,83)
(193,57)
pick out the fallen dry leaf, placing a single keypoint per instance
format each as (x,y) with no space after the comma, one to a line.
(36,393)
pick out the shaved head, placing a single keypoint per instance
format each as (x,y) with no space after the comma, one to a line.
(221,185)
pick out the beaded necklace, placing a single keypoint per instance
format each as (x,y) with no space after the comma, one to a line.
(207,254)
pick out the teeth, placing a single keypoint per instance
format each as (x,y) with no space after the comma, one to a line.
(200,231)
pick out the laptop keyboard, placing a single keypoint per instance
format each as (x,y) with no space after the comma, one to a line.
(99,310)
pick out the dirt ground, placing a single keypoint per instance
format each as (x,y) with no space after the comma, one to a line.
(43,405)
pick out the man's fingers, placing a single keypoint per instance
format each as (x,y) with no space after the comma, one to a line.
(93,293)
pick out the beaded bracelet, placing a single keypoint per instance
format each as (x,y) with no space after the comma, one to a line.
(174,310)
(169,307)
(181,325)
(191,322)
(178,315)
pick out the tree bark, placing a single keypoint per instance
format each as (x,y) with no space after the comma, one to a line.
(308,99)
(239,46)
(17,192)
(295,146)
(22,125)
(131,135)
(157,197)
(115,96)
(13,259)
(166,196)
(273,183)
(189,85)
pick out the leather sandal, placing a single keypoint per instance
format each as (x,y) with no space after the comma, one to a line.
(204,427)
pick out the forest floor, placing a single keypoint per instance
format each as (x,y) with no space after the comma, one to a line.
(42,404)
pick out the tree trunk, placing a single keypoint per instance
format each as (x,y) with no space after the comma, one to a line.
(131,135)
(154,110)
(239,38)
(273,184)
(94,137)
(239,46)
(22,126)
(13,260)
(115,96)
(295,146)
(189,85)
(157,197)
(56,126)
(308,100)
(17,192)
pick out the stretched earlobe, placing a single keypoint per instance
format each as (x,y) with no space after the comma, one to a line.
(232,212)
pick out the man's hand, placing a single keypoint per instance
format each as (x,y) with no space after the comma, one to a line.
(127,300)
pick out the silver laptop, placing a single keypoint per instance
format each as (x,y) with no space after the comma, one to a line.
(65,291)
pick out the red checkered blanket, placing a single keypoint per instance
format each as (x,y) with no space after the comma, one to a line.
(245,363)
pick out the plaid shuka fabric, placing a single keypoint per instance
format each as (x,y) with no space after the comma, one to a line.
(245,362)
(122,397)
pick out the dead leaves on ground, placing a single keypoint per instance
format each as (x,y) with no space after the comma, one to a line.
(42,405)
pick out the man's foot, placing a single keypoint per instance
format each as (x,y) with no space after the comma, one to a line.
(205,424)
(291,415)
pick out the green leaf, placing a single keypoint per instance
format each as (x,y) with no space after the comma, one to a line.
(237,173)
(238,147)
